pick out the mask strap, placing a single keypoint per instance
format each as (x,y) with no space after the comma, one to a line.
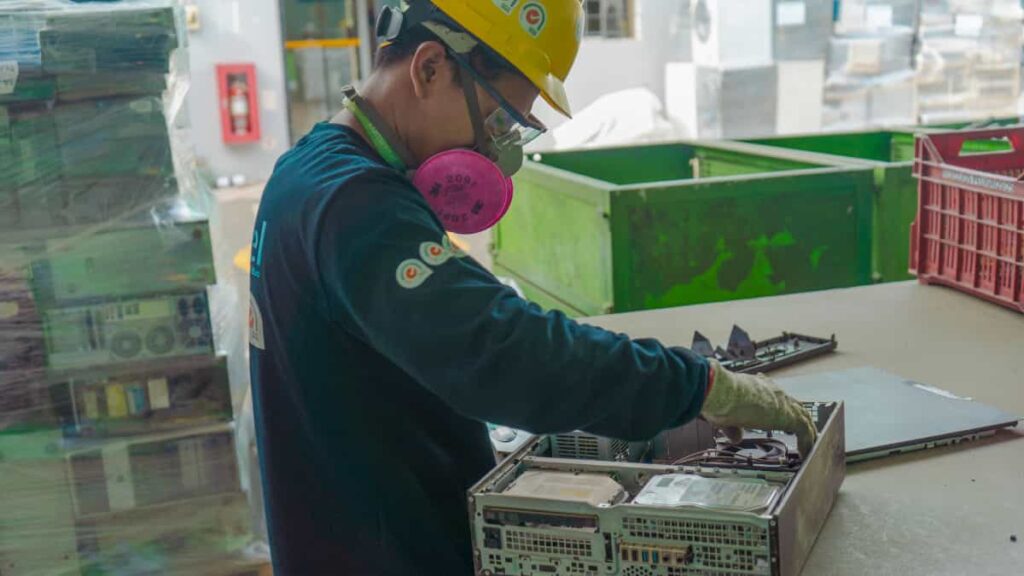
(509,159)
(469,90)
(383,139)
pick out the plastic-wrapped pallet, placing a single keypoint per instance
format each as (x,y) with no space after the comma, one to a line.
(860,16)
(117,416)
(870,71)
(875,54)
(968,62)
(680,30)
(801,29)
(885,101)
(722,102)
(21,65)
(732,33)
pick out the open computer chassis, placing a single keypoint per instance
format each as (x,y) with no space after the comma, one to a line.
(537,535)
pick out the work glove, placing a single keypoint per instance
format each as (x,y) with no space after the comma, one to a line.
(738,401)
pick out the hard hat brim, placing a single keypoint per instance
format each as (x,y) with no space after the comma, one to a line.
(552,90)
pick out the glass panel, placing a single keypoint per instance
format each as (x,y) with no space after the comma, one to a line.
(321,56)
(315,78)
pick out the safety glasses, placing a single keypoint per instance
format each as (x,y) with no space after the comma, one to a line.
(506,126)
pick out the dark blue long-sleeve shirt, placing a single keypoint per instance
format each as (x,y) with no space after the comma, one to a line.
(377,352)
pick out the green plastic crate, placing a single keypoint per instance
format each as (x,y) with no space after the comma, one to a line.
(622,229)
(890,154)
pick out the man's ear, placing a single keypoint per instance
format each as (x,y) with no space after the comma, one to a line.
(430,69)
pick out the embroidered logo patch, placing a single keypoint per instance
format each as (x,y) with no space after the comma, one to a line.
(507,6)
(452,248)
(434,254)
(412,273)
(533,18)
(255,325)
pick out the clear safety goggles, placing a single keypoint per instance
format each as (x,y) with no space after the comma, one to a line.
(506,126)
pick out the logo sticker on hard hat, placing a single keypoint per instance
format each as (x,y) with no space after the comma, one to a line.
(507,6)
(533,18)
(412,273)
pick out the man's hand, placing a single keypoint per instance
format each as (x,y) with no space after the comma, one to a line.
(741,401)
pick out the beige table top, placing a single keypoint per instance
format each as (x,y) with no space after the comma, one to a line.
(940,511)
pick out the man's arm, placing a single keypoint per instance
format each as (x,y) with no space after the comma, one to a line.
(392,279)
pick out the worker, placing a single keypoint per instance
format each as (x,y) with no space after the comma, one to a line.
(379,349)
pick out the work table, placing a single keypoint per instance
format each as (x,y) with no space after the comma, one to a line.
(941,511)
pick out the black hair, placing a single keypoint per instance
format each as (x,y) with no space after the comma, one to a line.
(485,61)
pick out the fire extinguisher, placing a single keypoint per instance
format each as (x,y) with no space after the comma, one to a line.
(238,105)
(239,110)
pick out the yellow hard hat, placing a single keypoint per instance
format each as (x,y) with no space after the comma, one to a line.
(540,38)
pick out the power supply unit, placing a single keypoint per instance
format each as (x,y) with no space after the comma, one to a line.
(750,508)
(584,446)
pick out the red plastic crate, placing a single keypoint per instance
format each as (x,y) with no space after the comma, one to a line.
(969,232)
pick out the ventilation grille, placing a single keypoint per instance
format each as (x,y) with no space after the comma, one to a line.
(620,450)
(730,558)
(718,533)
(812,407)
(718,548)
(577,446)
(519,541)
(637,571)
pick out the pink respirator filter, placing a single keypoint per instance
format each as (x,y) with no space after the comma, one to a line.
(466,190)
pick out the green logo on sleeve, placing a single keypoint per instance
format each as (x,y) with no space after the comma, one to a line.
(412,273)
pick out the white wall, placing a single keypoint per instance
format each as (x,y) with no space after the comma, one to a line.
(238,31)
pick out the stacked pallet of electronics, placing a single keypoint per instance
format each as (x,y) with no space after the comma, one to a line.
(968,60)
(870,69)
(117,447)
(749,72)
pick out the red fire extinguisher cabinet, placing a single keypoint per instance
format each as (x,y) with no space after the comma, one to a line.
(239,105)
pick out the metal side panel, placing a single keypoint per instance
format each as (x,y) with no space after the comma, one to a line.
(684,243)
(802,512)
(556,237)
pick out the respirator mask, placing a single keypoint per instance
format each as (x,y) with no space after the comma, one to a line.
(468,189)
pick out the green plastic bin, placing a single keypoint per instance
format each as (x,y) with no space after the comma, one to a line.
(622,229)
(890,154)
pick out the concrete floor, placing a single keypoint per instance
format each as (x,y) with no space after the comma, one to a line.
(937,512)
